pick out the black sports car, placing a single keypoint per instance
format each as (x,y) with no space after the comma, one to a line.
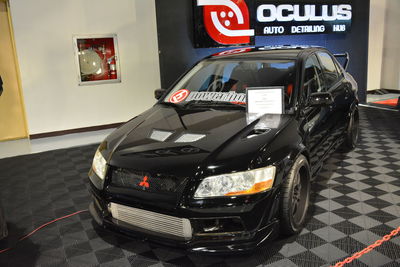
(198,170)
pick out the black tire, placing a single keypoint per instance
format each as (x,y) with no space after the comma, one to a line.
(295,197)
(352,132)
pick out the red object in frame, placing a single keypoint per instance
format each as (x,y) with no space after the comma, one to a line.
(97,59)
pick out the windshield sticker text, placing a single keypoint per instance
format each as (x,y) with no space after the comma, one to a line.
(217,96)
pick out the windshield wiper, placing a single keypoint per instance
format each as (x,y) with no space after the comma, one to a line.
(213,103)
(170,104)
(204,103)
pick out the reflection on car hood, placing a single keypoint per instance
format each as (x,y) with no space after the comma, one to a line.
(179,141)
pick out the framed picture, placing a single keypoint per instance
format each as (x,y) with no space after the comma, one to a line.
(97,59)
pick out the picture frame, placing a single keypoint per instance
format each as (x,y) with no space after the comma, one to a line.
(97,59)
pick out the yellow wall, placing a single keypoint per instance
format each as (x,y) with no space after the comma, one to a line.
(12,117)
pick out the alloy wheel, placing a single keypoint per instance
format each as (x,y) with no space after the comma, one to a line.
(299,198)
(354,129)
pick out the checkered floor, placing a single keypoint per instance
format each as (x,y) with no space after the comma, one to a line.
(356,200)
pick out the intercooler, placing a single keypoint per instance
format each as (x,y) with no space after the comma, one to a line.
(152,221)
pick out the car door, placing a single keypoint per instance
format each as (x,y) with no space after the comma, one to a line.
(334,84)
(317,118)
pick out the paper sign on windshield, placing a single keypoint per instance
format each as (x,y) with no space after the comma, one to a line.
(265,100)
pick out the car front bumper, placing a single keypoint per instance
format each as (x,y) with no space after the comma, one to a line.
(258,219)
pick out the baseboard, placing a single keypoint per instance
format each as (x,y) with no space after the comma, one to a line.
(76,130)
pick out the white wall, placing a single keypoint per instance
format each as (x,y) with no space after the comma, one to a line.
(376,43)
(391,49)
(43,32)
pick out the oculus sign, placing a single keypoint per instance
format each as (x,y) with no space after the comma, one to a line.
(237,22)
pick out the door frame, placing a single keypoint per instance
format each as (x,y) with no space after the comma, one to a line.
(17,71)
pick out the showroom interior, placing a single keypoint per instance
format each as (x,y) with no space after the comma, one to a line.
(78,80)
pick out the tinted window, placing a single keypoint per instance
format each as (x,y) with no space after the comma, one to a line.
(329,69)
(312,76)
(338,68)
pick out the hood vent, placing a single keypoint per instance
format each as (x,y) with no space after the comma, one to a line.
(257,132)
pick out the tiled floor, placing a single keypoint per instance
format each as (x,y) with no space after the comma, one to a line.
(356,200)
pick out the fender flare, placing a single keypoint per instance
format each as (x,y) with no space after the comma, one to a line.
(299,149)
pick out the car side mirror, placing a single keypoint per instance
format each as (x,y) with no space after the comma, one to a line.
(320,99)
(158,93)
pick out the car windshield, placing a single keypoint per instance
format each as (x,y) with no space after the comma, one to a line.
(213,82)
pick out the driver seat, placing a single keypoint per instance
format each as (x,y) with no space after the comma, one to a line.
(244,75)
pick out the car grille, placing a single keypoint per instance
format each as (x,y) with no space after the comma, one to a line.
(152,221)
(163,184)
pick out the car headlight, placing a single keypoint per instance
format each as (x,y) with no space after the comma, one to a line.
(239,183)
(99,165)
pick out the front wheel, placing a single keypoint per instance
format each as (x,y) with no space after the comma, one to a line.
(295,197)
(352,133)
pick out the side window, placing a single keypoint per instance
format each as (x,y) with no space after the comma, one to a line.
(312,77)
(338,68)
(329,69)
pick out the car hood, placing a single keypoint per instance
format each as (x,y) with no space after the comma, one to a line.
(189,142)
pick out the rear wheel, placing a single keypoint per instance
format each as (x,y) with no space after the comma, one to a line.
(352,133)
(295,197)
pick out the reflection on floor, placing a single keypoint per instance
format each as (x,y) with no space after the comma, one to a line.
(374,98)
(383,98)
(26,146)
(355,201)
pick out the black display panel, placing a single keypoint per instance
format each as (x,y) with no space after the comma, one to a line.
(237,22)
(176,29)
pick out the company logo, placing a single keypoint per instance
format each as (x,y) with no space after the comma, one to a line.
(231,22)
(271,13)
(144,183)
(227,21)
(179,96)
